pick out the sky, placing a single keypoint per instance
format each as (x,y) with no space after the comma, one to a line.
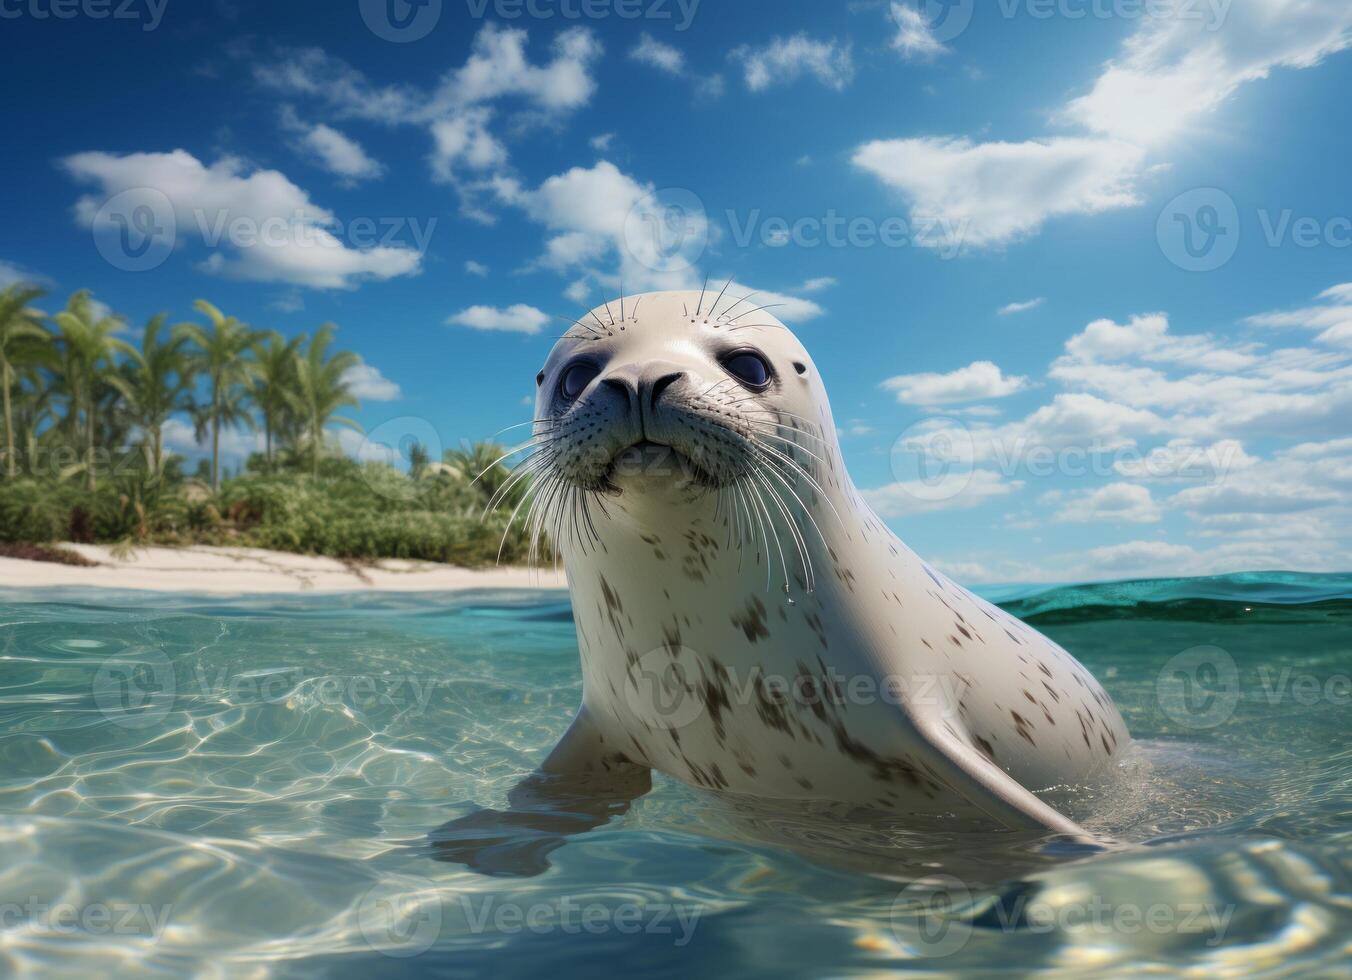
(1076,273)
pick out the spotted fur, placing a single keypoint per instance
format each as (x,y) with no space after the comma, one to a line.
(748,565)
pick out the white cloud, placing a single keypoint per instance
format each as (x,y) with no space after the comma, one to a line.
(786,59)
(977,381)
(1177,68)
(1115,502)
(1009,309)
(914,39)
(289,302)
(817,285)
(235,444)
(585,210)
(601,143)
(1185,459)
(285,236)
(662,56)
(460,110)
(908,497)
(476,268)
(788,309)
(11,273)
(335,152)
(518,318)
(1333,318)
(964,195)
(368,384)
(666,58)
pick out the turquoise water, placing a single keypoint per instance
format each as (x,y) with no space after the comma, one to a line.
(245,787)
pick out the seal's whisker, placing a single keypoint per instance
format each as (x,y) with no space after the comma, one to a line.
(713,310)
(764,434)
(756,309)
(740,302)
(543,454)
(795,532)
(533,443)
(807,511)
(766,519)
(798,469)
(700,309)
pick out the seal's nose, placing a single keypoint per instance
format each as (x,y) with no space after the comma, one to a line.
(643,388)
(653,391)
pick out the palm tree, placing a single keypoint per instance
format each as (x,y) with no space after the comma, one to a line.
(275,391)
(322,389)
(223,356)
(88,360)
(17,323)
(160,377)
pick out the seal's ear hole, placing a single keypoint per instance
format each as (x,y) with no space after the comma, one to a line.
(539,379)
(800,367)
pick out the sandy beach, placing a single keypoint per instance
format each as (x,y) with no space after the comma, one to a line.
(242,571)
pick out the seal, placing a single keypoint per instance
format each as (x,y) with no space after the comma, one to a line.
(746,623)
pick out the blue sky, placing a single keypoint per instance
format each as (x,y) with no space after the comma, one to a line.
(1109,332)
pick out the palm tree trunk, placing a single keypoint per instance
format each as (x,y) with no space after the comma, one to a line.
(215,438)
(89,440)
(10,464)
(315,437)
(267,435)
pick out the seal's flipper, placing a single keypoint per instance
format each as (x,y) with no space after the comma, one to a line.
(989,788)
(579,787)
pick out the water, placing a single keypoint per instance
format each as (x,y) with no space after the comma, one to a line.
(246,787)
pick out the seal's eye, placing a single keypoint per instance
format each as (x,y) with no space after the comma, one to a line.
(749,368)
(576,378)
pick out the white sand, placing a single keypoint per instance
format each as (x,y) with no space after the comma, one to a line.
(237,571)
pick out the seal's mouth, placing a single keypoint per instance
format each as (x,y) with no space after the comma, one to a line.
(650,460)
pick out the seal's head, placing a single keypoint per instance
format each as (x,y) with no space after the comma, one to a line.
(683,389)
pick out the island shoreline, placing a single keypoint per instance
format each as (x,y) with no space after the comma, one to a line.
(213,570)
